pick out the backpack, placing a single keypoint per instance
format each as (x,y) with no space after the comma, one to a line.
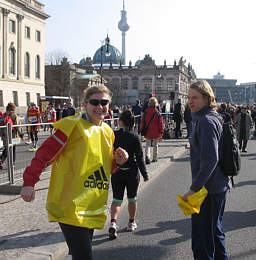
(229,155)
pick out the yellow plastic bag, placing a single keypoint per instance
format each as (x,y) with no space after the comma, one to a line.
(194,202)
(80,176)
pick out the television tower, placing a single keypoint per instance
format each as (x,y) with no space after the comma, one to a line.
(123,27)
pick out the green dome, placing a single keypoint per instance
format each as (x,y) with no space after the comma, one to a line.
(82,62)
(114,58)
(137,63)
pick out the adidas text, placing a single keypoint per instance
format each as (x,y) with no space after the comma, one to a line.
(97,180)
(94,184)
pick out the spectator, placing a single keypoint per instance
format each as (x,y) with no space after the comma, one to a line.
(188,120)
(16,133)
(137,109)
(51,115)
(243,126)
(154,121)
(253,115)
(223,112)
(108,116)
(177,117)
(116,113)
(26,122)
(33,118)
(58,113)
(71,110)
(65,111)
(208,238)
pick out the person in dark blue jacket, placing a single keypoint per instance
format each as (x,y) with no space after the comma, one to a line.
(208,238)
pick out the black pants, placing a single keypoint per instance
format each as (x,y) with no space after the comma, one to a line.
(79,241)
(32,135)
(4,154)
(242,140)
(177,130)
(129,179)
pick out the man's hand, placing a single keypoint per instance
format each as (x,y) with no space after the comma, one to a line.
(27,193)
(121,156)
(185,196)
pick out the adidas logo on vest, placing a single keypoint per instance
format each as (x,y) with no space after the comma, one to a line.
(97,180)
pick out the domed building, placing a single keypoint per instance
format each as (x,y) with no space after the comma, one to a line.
(106,54)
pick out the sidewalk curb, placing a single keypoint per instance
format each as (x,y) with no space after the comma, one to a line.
(57,249)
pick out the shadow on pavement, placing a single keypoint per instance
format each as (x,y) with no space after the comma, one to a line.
(182,159)
(245,254)
(103,238)
(247,154)
(245,183)
(234,220)
(181,227)
(131,253)
(17,240)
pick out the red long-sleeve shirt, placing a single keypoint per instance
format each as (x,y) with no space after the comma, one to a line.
(44,156)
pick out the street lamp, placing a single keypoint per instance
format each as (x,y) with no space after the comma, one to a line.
(158,76)
(107,54)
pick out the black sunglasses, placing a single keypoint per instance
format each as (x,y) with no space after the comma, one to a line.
(96,102)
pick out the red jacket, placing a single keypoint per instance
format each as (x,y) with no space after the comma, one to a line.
(156,127)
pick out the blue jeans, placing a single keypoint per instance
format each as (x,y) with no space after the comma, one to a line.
(208,238)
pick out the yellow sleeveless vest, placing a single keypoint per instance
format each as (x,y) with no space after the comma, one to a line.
(78,190)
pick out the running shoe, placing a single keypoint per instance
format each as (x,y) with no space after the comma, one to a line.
(112,230)
(132,226)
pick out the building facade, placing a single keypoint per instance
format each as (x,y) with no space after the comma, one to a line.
(227,90)
(127,83)
(70,80)
(22,52)
(145,78)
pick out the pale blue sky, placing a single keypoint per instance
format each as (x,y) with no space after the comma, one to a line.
(213,35)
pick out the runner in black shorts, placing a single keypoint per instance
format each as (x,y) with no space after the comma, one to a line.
(128,175)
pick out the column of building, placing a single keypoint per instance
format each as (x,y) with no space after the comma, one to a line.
(4,52)
(19,46)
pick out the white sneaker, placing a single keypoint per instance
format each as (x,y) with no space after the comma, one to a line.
(132,226)
(112,230)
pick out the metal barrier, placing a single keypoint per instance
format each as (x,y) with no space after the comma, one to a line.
(18,154)
(17,150)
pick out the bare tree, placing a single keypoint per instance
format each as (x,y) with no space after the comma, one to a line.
(55,57)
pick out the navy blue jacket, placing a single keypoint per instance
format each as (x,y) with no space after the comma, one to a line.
(204,156)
